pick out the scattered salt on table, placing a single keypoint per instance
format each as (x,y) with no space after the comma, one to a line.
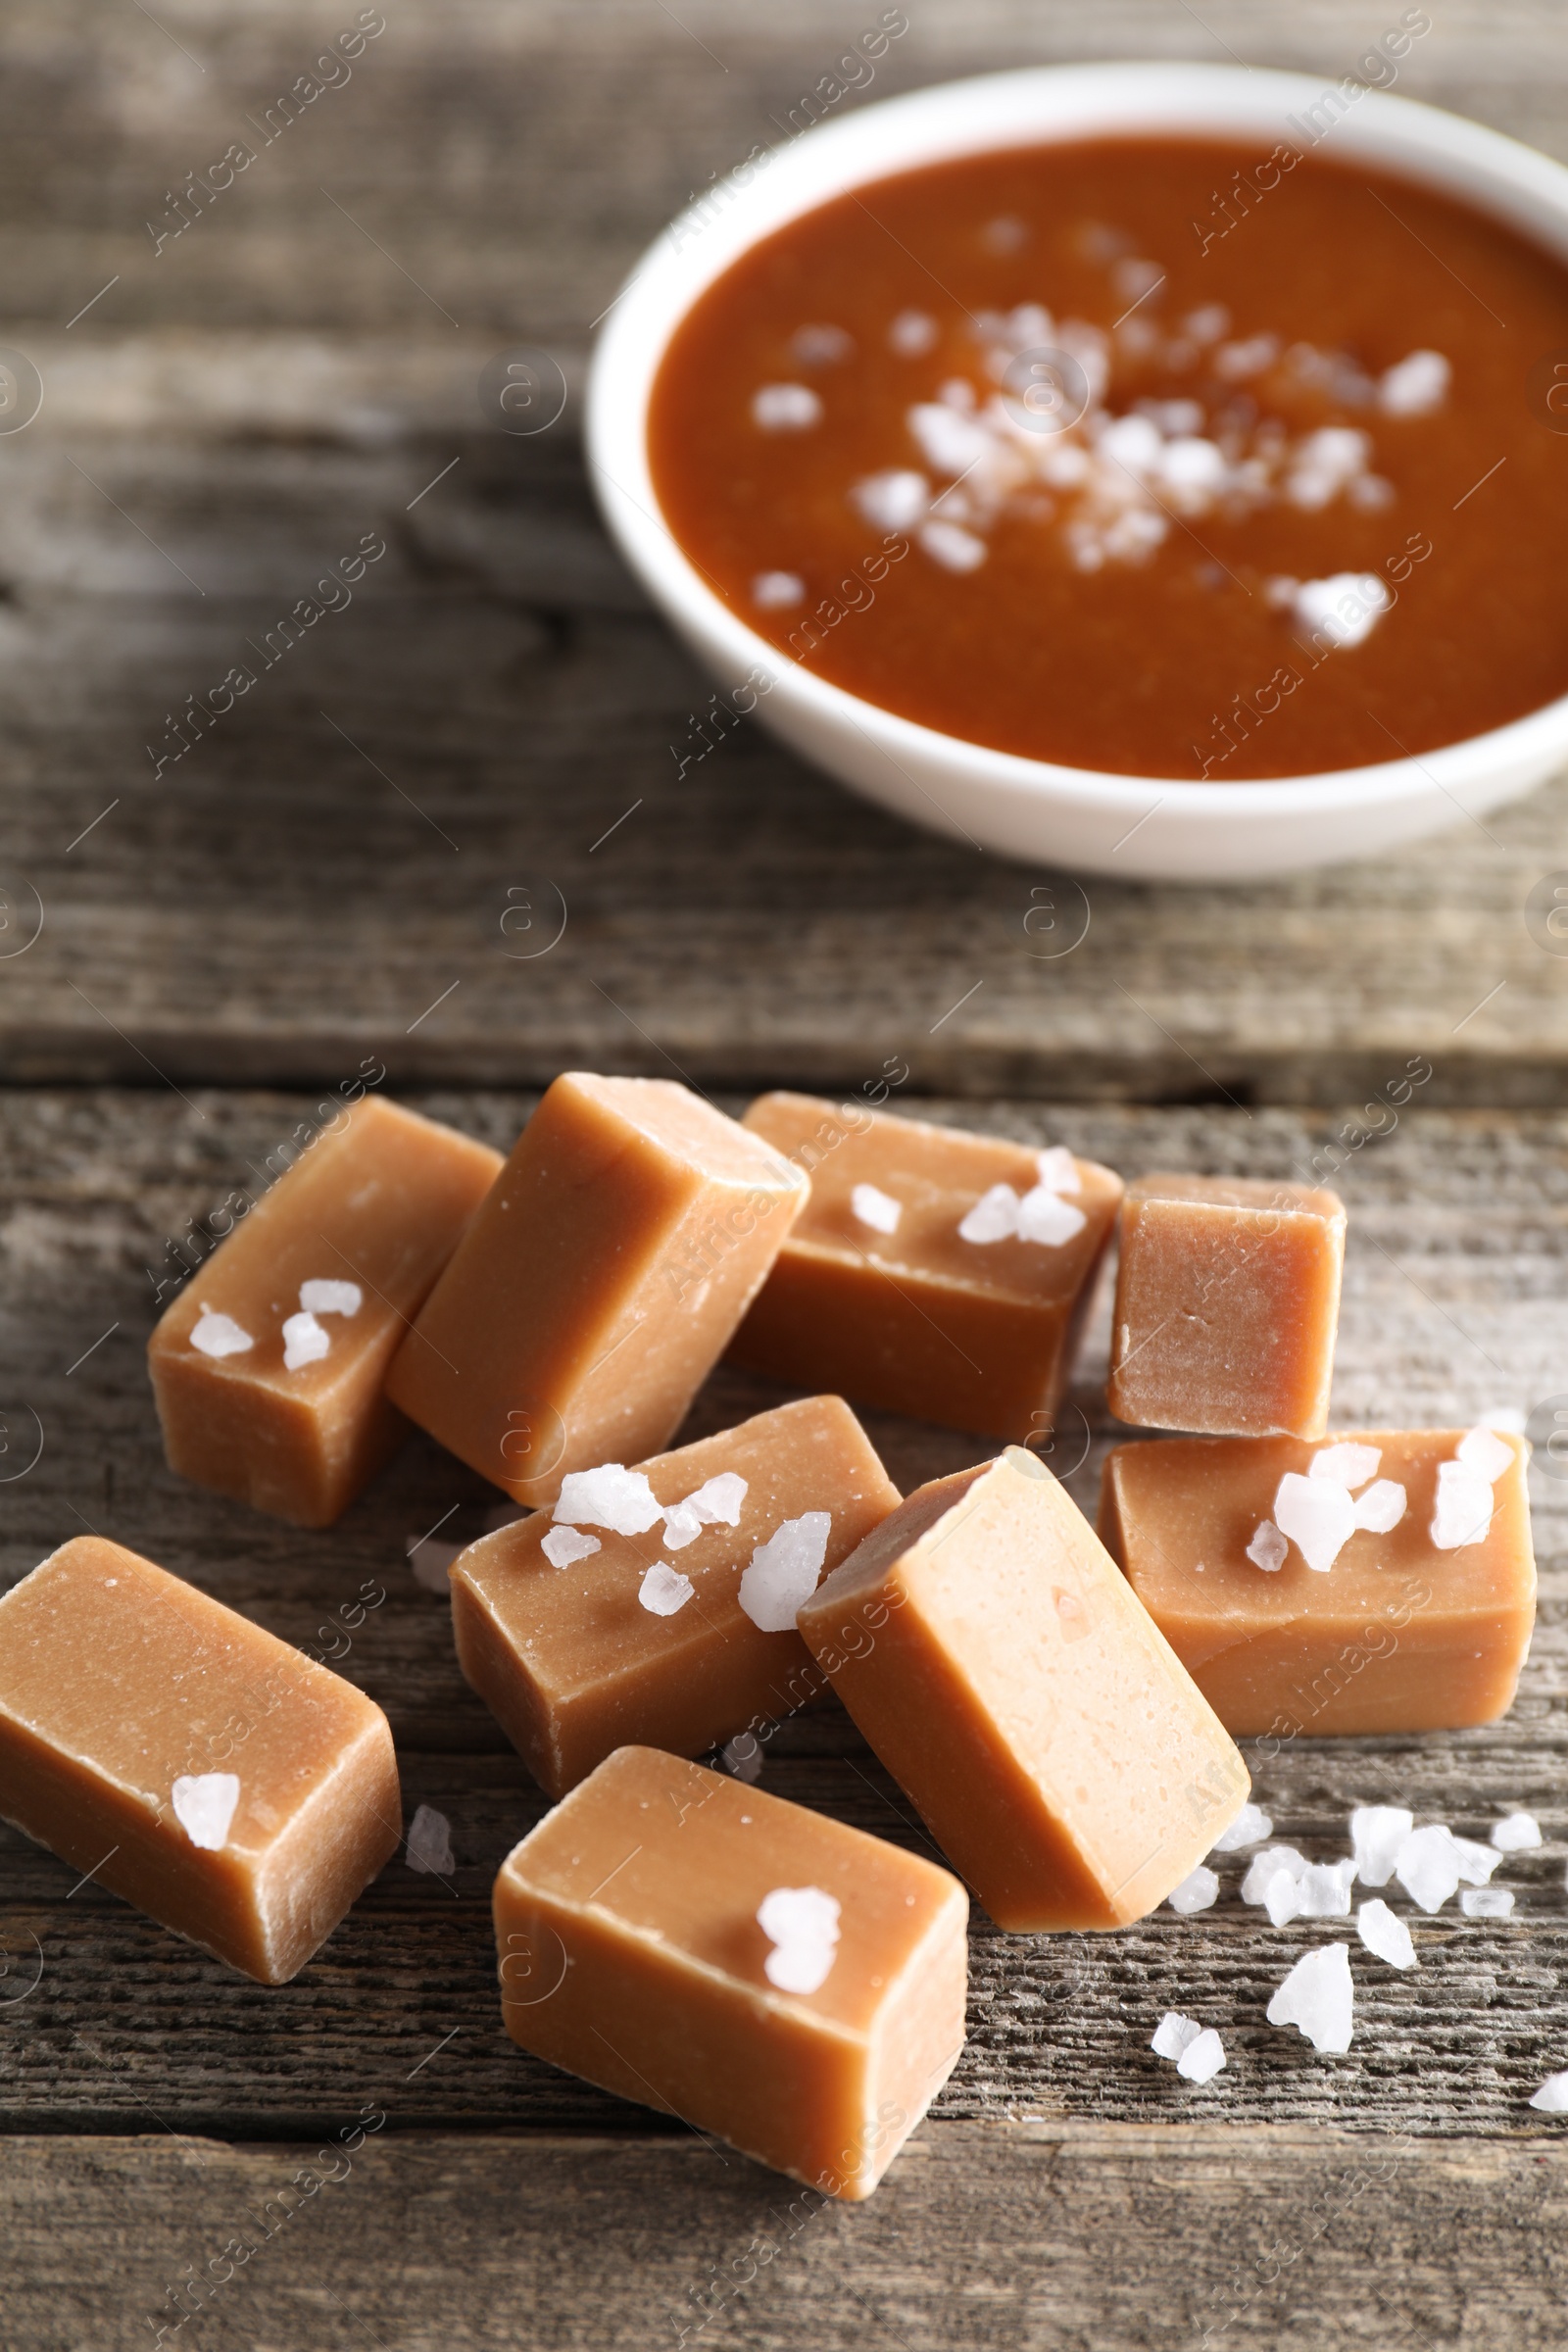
(1203,2058)
(1251,1824)
(1515,1832)
(429,1843)
(1428,1867)
(1552,2097)
(1318,1998)
(1487,1902)
(1385,1934)
(1196,1891)
(1377,1833)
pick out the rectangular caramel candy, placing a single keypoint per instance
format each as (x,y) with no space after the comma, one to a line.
(581,1638)
(1380,1581)
(934,1273)
(199,1767)
(270,1367)
(792,1986)
(599,1284)
(999,1665)
(1226,1305)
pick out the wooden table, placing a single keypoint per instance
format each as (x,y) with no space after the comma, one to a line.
(322,877)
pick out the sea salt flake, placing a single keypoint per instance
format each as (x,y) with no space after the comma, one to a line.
(1349,1465)
(1202,2059)
(894,501)
(663,1590)
(1343,609)
(1463,1513)
(1317,1515)
(305,1342)
(1476,1862)
(775,591)
(1415,385)
(783,1572)
(1385,1934)
(682,1526)
(1323,1890)
(786,408)
(1487,1902)
(1266,1866)
(219,1334)
(1282,1900)
(1486,1453)
(1175,2033)
(326,1296)
(1198,1891)
(949,442)
(1268,1548)
(1251,1824)
(1044,1217)
(564,1546)
(1318,1998)
(611,1496)
(1381,1506)
(1059,1171)
(1377,1833)
(1515,1832)
(993,1216)
(429,1843)
(1552,2097)
(952,546)
(204,1806)
(876,1208)
(717,1501)
(911,334)
(1428,1867)
(802,1924)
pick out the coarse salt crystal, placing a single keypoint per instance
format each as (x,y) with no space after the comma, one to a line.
(611,1496)
(1349,1465)
(876,1208)
(783,1572)
(1175,2033)
(1203,2058)
(429,1843)
(774,591)
(1428,1867)
(1268,1548)
(1463,1513)
(1343,609)
(1198,1891)
(663,1590)
(1318,1998)
(1515,1832)
(1485,1452)
(1323,1890)
(717,1501)
(993,1216)
(1381,1506)
(1552,2097)
(682,1526)
(327,1297)
(1251,1824)
(1059,1171)
(894,501)
(1385,1934)
(1323,465)
(952,546)
(1476,1862)
(1415,386)
(911,334)
(802,1924)
(1377,1833)
(1282,1900)
(1317,1515)
(949,441)
(1486,1902)
(204,1806)
(305,1342)
(1044,1217)
(219,1334)
(564,1544)
(786,408)
(1274,1861)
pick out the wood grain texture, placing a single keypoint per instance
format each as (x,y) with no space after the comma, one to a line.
(111,2022)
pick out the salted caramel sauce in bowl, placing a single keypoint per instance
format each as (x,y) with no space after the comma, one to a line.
(1151,470)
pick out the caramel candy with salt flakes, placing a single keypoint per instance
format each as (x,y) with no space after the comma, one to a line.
(934,1273)
(997,1662)
(190,1762)
(599,1284)
(269,1368)
(1226,1305)
(1380,1581)
(791,1985)
(581,1640)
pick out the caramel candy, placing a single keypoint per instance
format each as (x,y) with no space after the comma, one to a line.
(188,1761)
(1227,1302)
(1383,1582)
(673,1633)
(766,1974)
(935,1273)
(269,1368)
(598,1285)
(1002,1669)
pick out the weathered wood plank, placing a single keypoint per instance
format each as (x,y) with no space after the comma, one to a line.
(1456,1300)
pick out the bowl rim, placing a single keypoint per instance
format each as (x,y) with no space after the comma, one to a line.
(1496,175)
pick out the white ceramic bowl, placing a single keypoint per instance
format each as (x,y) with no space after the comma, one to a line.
(1033,808)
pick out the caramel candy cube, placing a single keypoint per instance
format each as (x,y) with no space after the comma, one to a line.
(204,1770)
(793,1986)
(934,1273)
(599,1284)
(270,1367)
(581,1638)
(1227,1303)
(999,1665)
(1382,1582)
